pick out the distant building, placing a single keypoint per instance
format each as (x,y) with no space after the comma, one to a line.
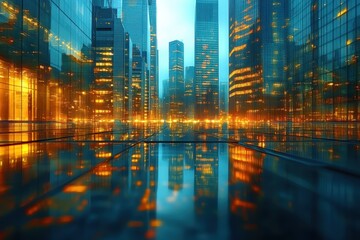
(110,86)
(165,99)
(176,80)
(206,59)
(324,69)
(154,63)
(136,20)
(189,92)
(138,86)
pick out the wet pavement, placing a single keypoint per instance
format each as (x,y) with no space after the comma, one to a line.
(180,181)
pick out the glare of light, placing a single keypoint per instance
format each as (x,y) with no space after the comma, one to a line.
(75,189)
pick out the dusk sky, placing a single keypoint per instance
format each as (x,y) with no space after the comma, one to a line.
(176,21)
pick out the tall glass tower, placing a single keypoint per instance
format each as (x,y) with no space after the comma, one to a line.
(189,92)
(206,59)
(136,20)
(154,63)
(257,58)
(324,64)
(176,79)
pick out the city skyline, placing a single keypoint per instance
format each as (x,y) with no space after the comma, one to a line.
(184,19)
(90,150)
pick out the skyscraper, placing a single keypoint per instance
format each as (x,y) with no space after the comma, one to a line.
(189,92)
(176,79)
(136,20)
(111,66)
(154,64)
(165,99)
(206,59)
(324,76)
(138,86)
(257,58)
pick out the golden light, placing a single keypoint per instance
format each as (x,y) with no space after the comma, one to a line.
(75,189)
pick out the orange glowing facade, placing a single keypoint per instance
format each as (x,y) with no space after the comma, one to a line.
(45,64)
(257,59)
(111,50)
(324,64)
(294,60)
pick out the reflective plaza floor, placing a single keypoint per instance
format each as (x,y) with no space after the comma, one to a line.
(180,181)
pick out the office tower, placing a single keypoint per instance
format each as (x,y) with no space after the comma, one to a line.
(176,79)
(189,92)
(154,64)
(36,50)
(257,58)
(111,66)
(165,99)
(324,76)
(137,85)
(206,59)
(136,20)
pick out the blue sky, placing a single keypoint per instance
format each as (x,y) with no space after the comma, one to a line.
(175,21)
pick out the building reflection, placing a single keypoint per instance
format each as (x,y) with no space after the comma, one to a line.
(245,173)
(142,182)
(206,186)
(66,188)
(122,190)
(176,168)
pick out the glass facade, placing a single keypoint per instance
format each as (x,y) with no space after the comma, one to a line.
(257,59)
(176,80)
(45,60)
(294,60)
(189,92)
(207,59)
(324,66)
(137,89)
(136,20)
(154,63)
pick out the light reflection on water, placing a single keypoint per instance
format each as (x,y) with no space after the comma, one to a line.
(110,186)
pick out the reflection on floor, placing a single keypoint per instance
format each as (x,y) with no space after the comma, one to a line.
(180,181)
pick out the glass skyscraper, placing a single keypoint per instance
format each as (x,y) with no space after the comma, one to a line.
(294,60)
(112,66)
(189,92)
(257,58)
(154,63)
(207,59)
(45,61)
(324,48)
(136,20)
(176,79)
